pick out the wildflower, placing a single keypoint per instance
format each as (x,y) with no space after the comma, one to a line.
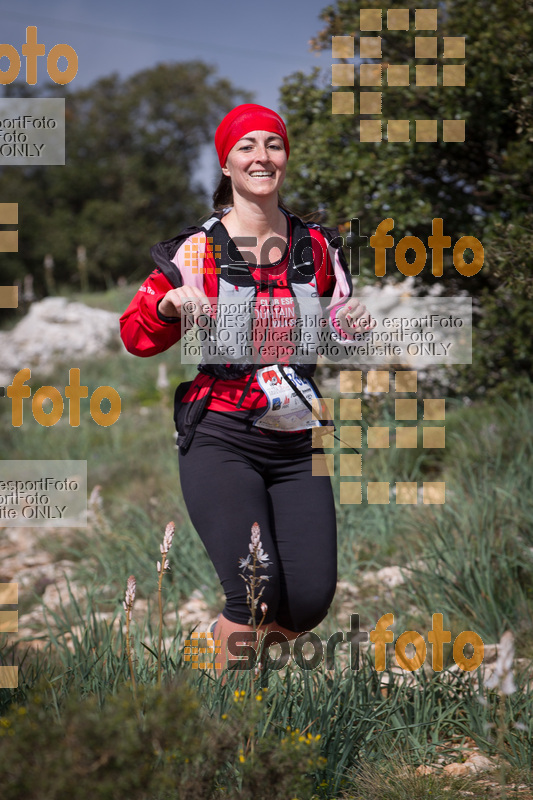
(255,559)
(130,596)
(502,676)
(165,547)
(167,539)
(255,547)
(95,499)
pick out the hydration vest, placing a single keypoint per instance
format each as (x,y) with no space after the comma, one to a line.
(236,286)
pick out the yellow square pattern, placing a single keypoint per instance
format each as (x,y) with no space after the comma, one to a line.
(433,492)
(398,19)
(9,296)
(322,464)
(351,436)
(9,213)
(453,130)
(398,130)
(351,465)
(377,380)
(370,46)
(426,130)
(434,409)
(9,677)
(426,19)
(370,103)
(378,436)
(425,47)
(453,75)
(193,652)
(342,74)
(342,103)
(370,75)
(9,593)
(351,381)
(350,409)
(454,46)
(9,621)
(406,493)
(433,437)
(398,75)
(426,74)
(350,493)
(342,47)
(407,437)
(406,381)
(9,241)
(405,409)
(370,130)
(370,19)
(323,407)
(377,493)
(323,436)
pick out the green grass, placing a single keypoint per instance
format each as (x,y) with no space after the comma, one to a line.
(473,563)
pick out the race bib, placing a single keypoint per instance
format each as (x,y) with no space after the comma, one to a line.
(285,411)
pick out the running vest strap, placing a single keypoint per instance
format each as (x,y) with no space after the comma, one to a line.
(236,285)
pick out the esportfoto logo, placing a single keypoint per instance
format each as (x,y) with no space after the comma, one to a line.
(373,74)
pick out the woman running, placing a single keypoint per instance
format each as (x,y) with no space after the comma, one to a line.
(251,277)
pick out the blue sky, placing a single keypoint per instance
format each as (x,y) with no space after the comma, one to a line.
(255,45)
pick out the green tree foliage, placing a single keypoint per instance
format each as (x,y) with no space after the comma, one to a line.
(480,187)
(132,149)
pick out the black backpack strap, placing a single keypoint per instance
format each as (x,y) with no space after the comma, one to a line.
(228,258)
(301,265)
(188,415)
(163,252)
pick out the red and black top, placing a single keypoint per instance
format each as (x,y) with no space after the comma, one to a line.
(145,331)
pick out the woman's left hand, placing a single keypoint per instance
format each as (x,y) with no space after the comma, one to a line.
(354,318)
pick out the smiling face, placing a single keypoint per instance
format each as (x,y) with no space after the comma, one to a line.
(256,164)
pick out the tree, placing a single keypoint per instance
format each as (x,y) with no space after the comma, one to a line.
(132,148)
(480,187)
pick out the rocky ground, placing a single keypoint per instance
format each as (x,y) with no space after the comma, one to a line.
(55,330)
(45,583)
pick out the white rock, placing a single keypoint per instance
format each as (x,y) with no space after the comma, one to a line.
(55,330)
(480,763)
(57,593)
(388,577)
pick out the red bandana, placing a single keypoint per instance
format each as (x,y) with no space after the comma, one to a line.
(243,119)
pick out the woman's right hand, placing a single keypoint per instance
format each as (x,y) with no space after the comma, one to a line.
(187,300)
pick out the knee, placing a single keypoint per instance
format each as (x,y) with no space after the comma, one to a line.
(308,607)
(237,606)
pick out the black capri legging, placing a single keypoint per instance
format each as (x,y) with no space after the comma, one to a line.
(227,487)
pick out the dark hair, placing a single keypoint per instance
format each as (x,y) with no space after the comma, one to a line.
(223,196)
